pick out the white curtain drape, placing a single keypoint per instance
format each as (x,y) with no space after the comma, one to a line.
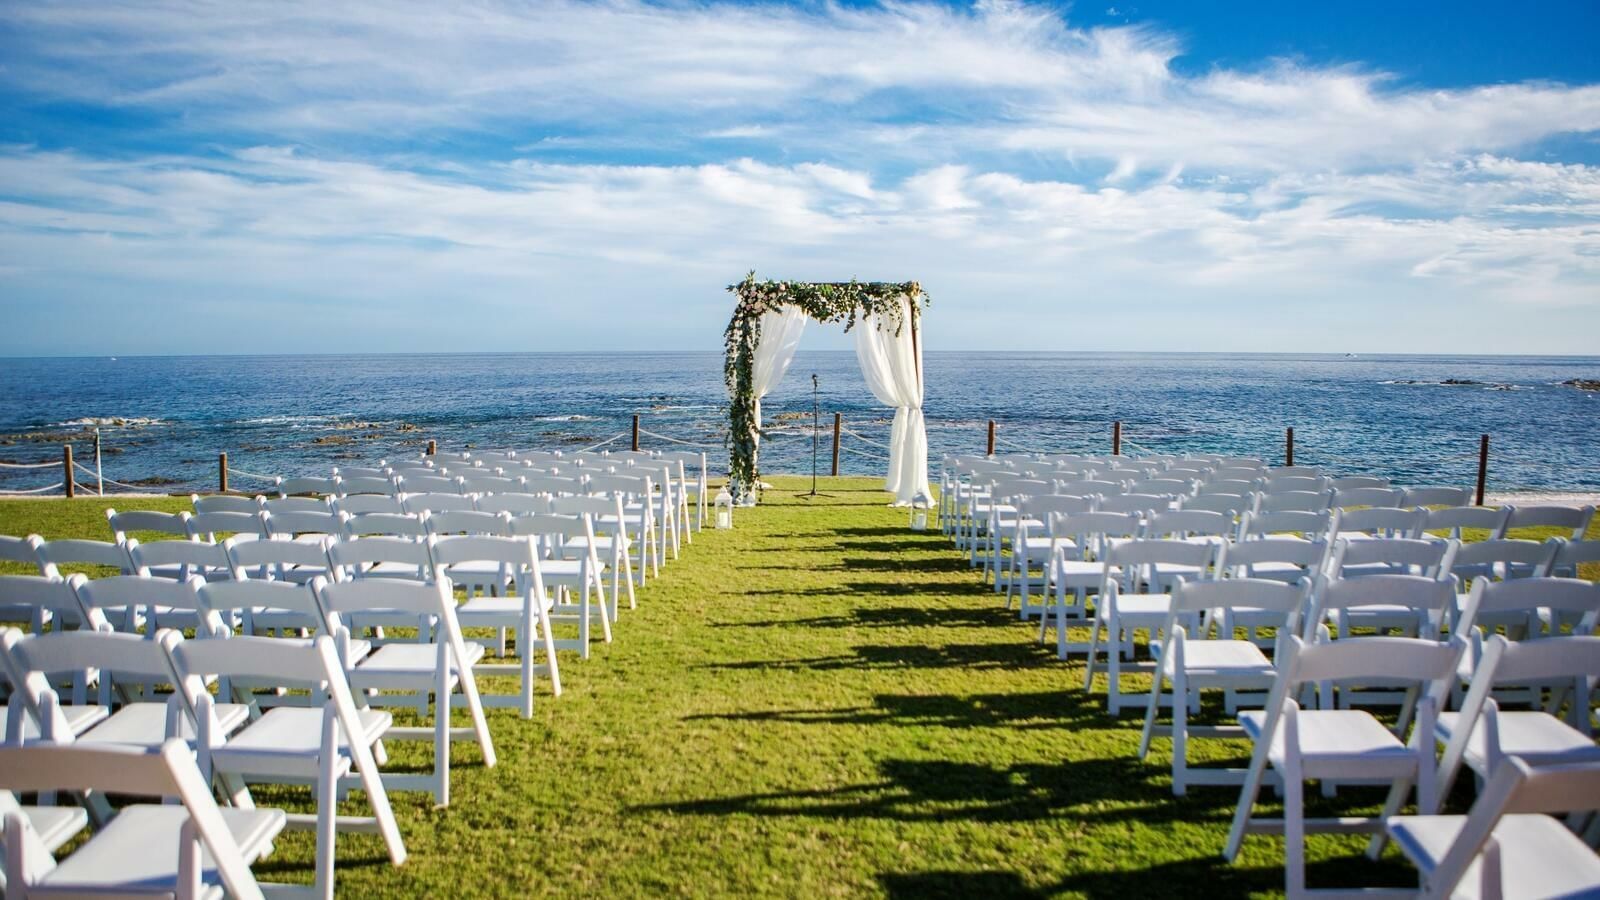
(892,365)
(780,338)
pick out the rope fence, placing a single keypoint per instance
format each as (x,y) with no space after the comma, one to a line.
(673,440)
(100,477)
(43,465)
(232,471)
(53,487)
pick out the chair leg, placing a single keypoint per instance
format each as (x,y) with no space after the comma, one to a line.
(1294,827)
(327,818)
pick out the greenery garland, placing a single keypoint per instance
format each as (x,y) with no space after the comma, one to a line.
(846,302)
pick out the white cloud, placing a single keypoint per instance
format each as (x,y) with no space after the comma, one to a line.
(988,150)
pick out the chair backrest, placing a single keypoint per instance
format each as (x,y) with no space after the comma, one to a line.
(1294,472)
(1189,523)
(1452,519)
(1385,521)
(1089,487)
(361,472)
(1135,503)
(1353,482)
(225,503)
(345,486)
(147,520)
(1240,558)
(1403,555)
(1229,504)
(1012,488)
(580,506)
(1154,561)
(350,558)
(433,484)
(552,484)
(1486,558)
(120,659)
(517,554)
(1575,518)
(206,526)
(1284,501)
(1287,601)
(1566,595)
(490,484)
(1230,486)
(149,594)
(1367,496)
(383,524)
(1368,659)
(289,487)
(170,771)
(618,484)
(77,551)
(58,596)
(289,524)
(1177,487)
(191,557)
(1278,484)
(278,505)
(388,595)
(356,504)
(267,559)
(1240,462)
(228,596)
(515,504)
(1310,524)
(1570,554)
(1436,496)
(434,502)
(20,549)
(468,522)
(1040,506)
(552,531)
(1249,474)
(1429,597)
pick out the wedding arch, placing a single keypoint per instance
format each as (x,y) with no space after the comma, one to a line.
(761,341)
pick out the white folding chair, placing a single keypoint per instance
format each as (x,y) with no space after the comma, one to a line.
(290,487)
(439,668)
(613,547)
(147,850)
(1482,736)
(1436,496)
(1506,846)
(1032,546)
(524,608)
(226,503)
(299,504)
(1298,745)
(570,581)
(1135,578)
(1077,540)
(323,743)
(1194,663)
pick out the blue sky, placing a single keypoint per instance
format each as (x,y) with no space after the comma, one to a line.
(311,177)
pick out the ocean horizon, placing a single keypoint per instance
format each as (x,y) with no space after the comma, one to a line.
(1415,418)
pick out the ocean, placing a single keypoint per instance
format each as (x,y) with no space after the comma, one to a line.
(1416,419)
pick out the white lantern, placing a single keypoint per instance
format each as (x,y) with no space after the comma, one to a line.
(919,511)
(724,508)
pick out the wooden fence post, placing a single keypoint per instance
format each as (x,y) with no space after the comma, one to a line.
(1116,438)
(991,438)
(66,469)
(222,471)
(1288,446)
(837,424)
(433,447)
(636,431)
(1483,466)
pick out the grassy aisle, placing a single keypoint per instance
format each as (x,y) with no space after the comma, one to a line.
(817,702)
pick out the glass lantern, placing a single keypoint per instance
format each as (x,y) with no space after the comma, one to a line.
(919,511)
(724,509)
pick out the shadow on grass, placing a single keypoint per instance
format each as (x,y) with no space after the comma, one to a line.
(1209,876)
(1047,709)
(942,791)
(888,616)
(898,656)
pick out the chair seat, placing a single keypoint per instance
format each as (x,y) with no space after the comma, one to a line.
(1539,738)
(501,609)
(79,719)
(1140,606)
(56,825)
(395,661)
(1337,736)
(1539,857)
(138,853)
(286,741)
(145,724)
(391,570)
(568,572)
(1225,658)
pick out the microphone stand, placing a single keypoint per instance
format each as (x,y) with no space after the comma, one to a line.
(816,424)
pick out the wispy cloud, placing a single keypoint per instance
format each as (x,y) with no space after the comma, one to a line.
(533,160)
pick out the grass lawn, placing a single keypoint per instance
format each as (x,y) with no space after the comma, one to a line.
(818,702)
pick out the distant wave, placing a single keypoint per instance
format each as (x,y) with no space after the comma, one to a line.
(1458,382)
(297,421)
(110,421)
(571,418)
